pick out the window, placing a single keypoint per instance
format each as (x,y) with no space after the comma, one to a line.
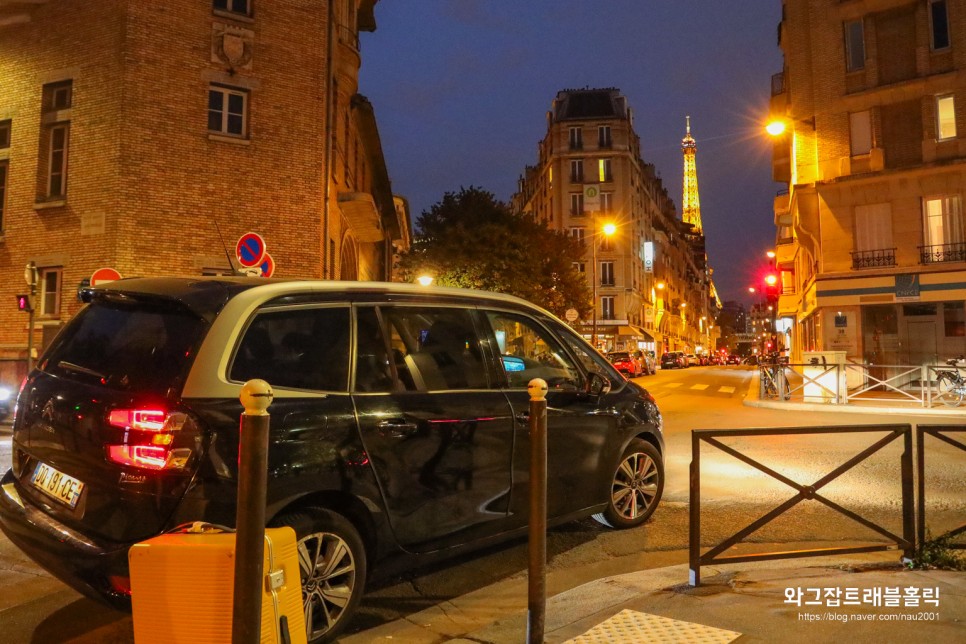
(4,134)
(860,132)
(606,202)
(607,273)
(576,204)
(576,171)
(603,170)
(528,351)
(296,348)
(576,138)
(577,232)
(943,221)
(873,227)
(854,46)
(242,7)
(954,319)
(938,25)
(58,137)
(227,111)
(945,117)
(50,279)
(607,307)
(57,99)
(580,267)
(3,189)
(603,136)
(606,244)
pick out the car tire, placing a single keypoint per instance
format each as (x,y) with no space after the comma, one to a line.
(636,487)
(332,565)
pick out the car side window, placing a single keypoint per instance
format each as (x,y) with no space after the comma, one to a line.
(528,351)
(592,360)
(434,348)
(298,348)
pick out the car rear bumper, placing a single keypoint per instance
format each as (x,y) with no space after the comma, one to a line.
(78,561)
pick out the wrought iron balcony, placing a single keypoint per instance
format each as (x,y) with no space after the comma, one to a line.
(938,253)
(873,258)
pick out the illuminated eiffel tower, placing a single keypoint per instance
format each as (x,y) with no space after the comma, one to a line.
(690,205)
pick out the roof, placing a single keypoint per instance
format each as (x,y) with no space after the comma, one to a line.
(589,103)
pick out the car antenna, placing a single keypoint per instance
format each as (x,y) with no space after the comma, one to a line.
(234,271)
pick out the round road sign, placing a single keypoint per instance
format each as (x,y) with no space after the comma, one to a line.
(103,276)
(250,249)
(267,265)
(571,315)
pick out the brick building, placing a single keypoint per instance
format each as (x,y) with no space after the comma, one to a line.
(146,137)
(871,240)
(650,276)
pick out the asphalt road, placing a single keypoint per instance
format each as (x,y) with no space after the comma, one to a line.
(36,608)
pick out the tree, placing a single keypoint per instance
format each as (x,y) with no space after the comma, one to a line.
(472,240)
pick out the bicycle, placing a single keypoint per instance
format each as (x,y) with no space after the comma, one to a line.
(773,377)
(950,384)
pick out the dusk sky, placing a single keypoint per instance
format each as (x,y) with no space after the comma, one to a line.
(461,89)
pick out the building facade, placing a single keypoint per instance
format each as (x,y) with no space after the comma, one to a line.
(871,240)
(149,138)
(649,276)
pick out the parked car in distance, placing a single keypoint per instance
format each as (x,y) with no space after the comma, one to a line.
(692,360)
(670,360)
(733,358)
(647,362)
(626,363)
(395,428)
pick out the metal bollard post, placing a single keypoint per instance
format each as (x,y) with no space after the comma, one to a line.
(537,551)
(256,396)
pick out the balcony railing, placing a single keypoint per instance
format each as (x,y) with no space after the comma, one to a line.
(873,258)
(938,253)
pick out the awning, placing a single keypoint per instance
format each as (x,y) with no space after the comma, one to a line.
(635,331)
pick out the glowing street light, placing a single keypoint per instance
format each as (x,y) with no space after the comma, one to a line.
(425,280)
(776,127)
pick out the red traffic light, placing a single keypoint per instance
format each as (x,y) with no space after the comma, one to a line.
(771,279)
(24,303)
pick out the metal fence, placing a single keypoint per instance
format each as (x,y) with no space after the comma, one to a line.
(904,542)
(942,433)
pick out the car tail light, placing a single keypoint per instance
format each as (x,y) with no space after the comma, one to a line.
(148,438)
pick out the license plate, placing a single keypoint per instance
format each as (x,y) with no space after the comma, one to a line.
(57,485)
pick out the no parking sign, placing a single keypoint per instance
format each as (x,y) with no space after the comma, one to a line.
(252,253)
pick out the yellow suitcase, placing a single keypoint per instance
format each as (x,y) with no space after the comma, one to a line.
(182,588)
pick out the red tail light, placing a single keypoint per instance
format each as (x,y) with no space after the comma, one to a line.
(148,438)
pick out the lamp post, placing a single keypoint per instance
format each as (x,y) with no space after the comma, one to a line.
(607,230)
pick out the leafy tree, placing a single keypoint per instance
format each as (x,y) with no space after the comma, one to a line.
(472,240)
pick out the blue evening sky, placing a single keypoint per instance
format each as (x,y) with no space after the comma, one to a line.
(461,89)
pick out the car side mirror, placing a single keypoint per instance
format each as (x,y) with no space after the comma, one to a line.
(597,385)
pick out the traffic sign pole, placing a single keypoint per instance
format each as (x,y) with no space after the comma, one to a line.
(30,276)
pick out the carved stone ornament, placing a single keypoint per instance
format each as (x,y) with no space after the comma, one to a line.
(232,46)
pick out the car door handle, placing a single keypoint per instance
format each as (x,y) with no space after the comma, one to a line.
(396,428)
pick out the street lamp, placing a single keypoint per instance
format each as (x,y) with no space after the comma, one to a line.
(607,230)
(425,280)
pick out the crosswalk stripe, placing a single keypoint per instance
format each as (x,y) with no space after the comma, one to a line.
(673,384)
(726,390)
(699,387)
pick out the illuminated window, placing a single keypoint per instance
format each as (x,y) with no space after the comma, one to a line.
(243,7)
(603,170)
(854,45)
(938,25)
(945,117)
(943,221)
(227,111)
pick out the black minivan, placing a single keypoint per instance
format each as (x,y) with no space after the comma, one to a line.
(399,427)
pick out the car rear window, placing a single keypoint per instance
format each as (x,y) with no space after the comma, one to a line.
(144,347)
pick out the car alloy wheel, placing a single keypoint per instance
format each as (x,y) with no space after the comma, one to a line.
(636,487)
(332,565)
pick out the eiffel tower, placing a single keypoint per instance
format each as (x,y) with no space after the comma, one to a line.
(690,205)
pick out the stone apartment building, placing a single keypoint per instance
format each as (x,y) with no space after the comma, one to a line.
(871,239)
(148,137)
(650,277)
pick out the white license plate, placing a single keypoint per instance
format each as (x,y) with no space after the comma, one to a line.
(57,485)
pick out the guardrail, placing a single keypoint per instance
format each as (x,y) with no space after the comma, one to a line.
(939,432)
(905,542)
(850,382)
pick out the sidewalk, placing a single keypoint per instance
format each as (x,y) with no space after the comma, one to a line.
(745,603)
